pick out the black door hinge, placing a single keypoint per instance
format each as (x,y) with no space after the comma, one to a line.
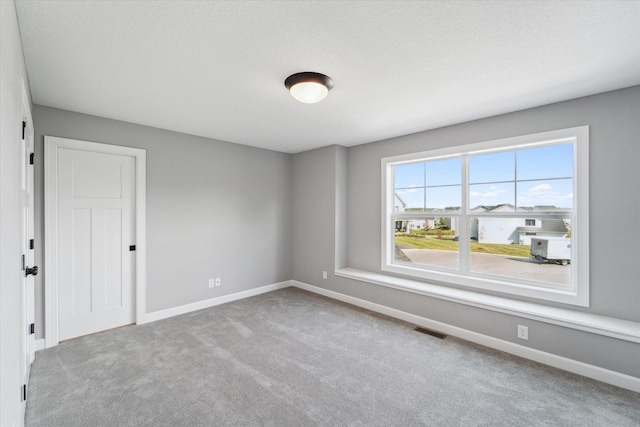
(23,263)
(32,244)
(32,329)
(32,158)
(132,247)
(23,392)
(24,128)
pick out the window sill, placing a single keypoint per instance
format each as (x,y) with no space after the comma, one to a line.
(608,326)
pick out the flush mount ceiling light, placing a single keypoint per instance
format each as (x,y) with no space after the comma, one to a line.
(309,87)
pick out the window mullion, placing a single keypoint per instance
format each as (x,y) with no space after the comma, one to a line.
(463,222)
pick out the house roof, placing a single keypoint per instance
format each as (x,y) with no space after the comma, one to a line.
(545,208)
(505,206)
(404,205)
(495,208)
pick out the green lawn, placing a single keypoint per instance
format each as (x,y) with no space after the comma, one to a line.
(406,242)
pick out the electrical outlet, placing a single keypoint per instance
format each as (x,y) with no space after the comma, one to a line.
(218,281)
(324,275)
(212,283)
(523,332)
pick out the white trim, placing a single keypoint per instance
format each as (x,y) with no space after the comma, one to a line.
(199,305)
(595,372)
(141,236)
(575,293)
(39,344)
(51,146)
(601,325)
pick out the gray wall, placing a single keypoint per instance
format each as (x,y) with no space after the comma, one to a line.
(614,226)
(320,209)
(314,207)
(214,209)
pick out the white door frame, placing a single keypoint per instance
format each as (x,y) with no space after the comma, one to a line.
(51,146)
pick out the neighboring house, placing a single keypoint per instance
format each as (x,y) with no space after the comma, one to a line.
(432,222)
(419,224)
(515,230)
(545,228)
(399,205)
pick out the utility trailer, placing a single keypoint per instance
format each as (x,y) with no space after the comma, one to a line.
(556,250)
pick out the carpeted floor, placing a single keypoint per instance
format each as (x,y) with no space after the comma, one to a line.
(292,358)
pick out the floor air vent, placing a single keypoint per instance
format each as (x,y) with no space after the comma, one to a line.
(430,332)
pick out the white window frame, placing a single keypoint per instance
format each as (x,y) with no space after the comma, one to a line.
(576,293)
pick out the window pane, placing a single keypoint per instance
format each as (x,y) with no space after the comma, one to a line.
(408,200)
(444,172)
(507,248)
(429,242)
(408,176)
(550,196)
(491,197)
(494,167)
(444,198)
(553,161)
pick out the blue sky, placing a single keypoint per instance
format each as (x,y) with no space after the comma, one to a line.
(536,176)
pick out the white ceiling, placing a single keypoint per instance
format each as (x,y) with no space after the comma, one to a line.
(217,69)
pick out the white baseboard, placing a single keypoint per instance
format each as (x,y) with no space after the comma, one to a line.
(590,371)
(39,344)
(187,308)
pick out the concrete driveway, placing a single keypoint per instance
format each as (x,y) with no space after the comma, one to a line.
(504,265)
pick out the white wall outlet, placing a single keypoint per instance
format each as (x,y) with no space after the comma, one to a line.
(523,332)
(212,283)
(324,275)
(218,281)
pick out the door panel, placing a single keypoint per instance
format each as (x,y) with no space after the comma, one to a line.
(96,217)
(114,253)
(81,269)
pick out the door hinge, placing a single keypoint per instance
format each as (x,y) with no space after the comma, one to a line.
(32,244)
(32,157)
(23,263)
(24,128)
(23,393)
(32,329)
(132,247)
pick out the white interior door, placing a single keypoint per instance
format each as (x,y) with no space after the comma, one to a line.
(28,257)
(96,227)
(27,240)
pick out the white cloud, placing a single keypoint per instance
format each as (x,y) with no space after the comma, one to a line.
(540,190)
(544,194)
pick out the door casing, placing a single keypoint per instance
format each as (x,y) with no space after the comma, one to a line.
(51,147)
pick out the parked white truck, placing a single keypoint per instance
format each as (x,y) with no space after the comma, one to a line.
(556,250)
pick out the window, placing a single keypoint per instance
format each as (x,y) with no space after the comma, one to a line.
(464,215)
